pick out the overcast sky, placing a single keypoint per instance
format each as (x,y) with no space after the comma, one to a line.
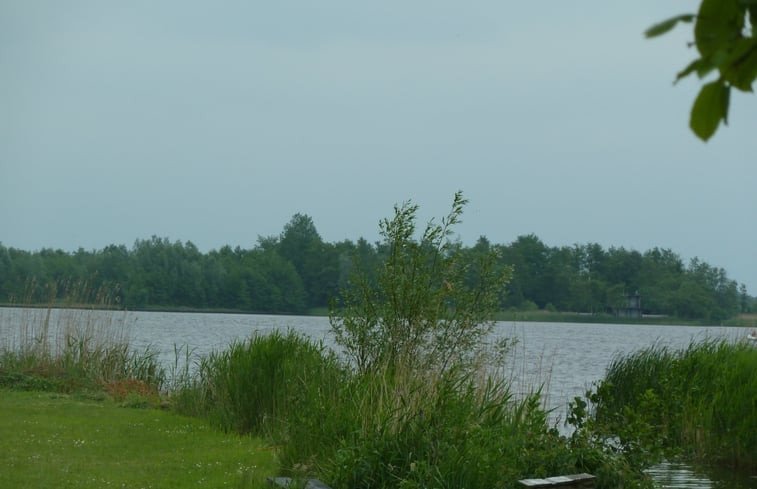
(215,122)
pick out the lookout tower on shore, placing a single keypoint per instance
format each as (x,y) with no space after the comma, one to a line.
(633,307)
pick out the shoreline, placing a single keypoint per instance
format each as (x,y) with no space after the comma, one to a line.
(543,316)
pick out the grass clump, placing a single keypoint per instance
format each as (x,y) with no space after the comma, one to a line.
(699,402)
(254,385)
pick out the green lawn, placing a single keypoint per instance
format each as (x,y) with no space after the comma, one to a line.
(52,440)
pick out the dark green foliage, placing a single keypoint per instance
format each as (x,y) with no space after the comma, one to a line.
(296,272)
(316,262)
(27,382)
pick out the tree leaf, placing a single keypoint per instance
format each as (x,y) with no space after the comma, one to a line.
(710,107)
(740,68)
(695,65)
(666,25)
(719,22)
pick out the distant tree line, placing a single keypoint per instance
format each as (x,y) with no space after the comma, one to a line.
(297,271)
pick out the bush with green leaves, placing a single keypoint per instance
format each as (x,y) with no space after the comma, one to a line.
(420,311)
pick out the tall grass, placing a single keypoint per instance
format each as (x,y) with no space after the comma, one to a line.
(71,349)
(393,427)
(255,384)
(414,429)
(701,400)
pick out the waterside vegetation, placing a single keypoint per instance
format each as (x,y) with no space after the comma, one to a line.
(699,403)
(415,396)
(72,350)
(416,399)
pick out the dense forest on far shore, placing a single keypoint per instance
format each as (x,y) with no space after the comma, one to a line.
(297,271)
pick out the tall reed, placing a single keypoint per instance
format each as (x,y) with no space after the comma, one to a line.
(68,349)
(701,400)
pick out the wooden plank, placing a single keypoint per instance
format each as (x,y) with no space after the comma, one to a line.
(288,482)
(583,481)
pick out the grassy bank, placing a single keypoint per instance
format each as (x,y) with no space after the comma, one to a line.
(69,385)
(390,427)
(397,424)
(53,440)
(700,402)
(742,321)
(387,428)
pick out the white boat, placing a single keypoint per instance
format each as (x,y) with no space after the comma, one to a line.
(752,337)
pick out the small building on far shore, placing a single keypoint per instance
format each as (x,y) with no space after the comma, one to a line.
(633,307)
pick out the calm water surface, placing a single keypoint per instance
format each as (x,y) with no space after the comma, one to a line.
(567,358)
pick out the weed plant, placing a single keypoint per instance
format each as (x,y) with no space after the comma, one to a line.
(700,401)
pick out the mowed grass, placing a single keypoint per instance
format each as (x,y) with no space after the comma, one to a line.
(53,440)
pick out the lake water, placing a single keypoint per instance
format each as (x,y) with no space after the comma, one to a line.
(566,357)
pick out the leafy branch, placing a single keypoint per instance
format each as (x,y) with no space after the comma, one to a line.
(724,37)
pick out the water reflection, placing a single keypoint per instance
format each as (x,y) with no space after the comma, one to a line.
(682,476)
(678,476)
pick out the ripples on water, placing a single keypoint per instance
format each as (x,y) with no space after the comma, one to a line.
(567,358)
(679,476)
(682,476)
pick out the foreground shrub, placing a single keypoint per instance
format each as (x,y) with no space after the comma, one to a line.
(428,307)
(414,430)
(700,401)
(388,428)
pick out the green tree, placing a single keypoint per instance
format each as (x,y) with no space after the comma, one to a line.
(528,256)
(623,266)
(316,262)
(5,268)
(724,36)
(661,275)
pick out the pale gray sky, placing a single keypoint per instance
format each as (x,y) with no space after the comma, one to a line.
(215,122)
